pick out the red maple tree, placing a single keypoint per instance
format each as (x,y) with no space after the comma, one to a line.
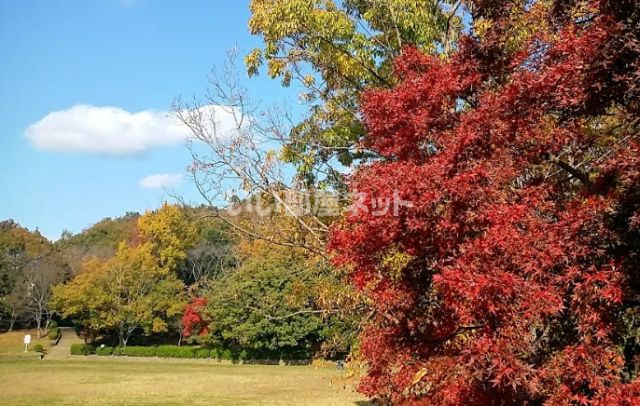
(194,321)
(521,162)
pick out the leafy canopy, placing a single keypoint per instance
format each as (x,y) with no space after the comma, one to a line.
(137,288)
(335,50)
(512,275)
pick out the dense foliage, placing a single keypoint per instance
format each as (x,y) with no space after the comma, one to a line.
(177,273)
(138,287)
(194,318)
(29,266)
(101,240)
(334,50)
(268,302)
(511,276)
(274,300)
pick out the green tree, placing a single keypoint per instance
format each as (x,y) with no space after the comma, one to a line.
(267,303)
(336,50)
(279,299)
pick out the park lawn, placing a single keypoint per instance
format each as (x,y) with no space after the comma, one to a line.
(11,344)
(118,382)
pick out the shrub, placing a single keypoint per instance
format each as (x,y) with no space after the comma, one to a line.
(54,333)
(296,355)
(82,349)
(37,347)
(202,353)
(52,324)
(136,351)
(118,351)
(225,354)
(264,354)
(242,355)
(104,351)
(173,351)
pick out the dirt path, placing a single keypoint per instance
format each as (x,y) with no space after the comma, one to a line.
(62,349)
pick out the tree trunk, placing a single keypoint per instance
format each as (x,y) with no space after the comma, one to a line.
(121,340)
(12,319)
(39,325)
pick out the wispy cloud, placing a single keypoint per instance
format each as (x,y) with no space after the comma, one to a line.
(160,180)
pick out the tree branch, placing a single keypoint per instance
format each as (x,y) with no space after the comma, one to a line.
(576,173)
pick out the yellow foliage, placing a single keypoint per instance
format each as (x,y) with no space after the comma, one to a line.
(395,261)
(169,234)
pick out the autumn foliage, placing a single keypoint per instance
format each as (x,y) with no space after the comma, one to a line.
(194,320)
(512,277)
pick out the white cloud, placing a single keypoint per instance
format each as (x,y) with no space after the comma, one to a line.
(115,131)
(160,180)
(104,130)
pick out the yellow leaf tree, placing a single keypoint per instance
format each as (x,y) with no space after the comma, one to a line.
(137,288)
(335,50)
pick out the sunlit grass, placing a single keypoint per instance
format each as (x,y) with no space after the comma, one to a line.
(117,382)
(12,343)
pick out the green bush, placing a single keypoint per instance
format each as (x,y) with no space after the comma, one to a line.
(225,354)
(173,351)
(52,324)
(202,353)
(54,333)
(136,351)
(296,355)
(118,351)
(104,351)
(37,347)
(82,349)
(242,355)
(262,355)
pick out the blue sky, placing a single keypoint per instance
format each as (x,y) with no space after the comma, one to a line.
(130,55)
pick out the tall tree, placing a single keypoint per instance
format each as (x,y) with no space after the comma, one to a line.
(36,282)
(101,240)
(497,235)
(170,234)
(29,266)
(240,174)
(136,289)
(123,294)
(268,302)
(335,50)
(275,298)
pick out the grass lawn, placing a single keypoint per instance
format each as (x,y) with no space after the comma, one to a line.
(117,381)
(11,344)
